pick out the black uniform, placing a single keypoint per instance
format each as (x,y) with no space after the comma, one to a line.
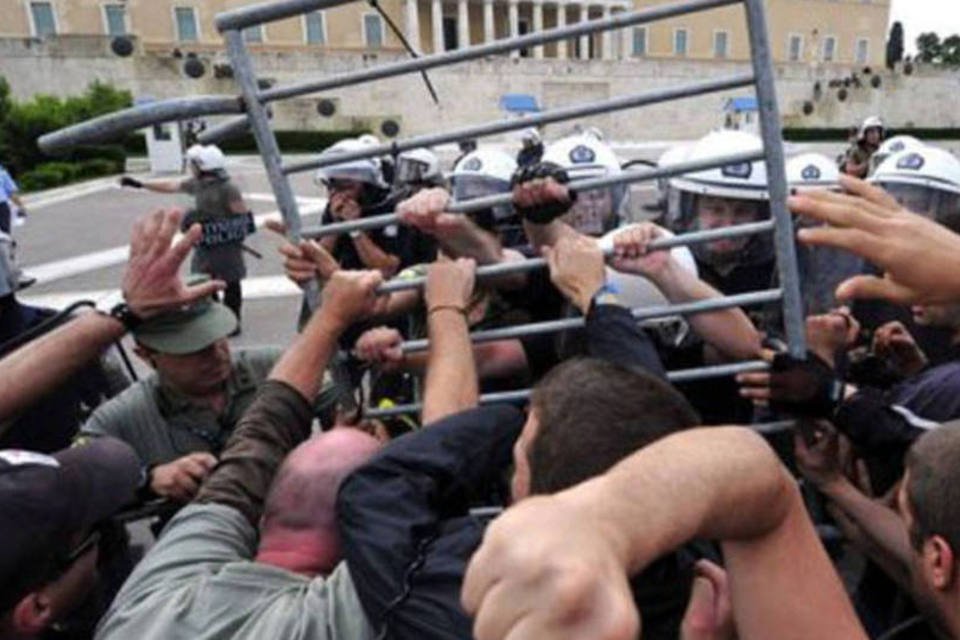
(406,527)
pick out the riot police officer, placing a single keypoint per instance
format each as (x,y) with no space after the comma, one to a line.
(221,211)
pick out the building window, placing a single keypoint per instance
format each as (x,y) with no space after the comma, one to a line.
(316,28)
(639,41)
(187,29)
(450,33)
(43,19)
(721,41)
(253,34)
(863,51)
(680,42)
(115,19)
(795,48)
(829,53)
(373,30)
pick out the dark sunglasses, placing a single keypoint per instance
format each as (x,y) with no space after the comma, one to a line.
(86,545)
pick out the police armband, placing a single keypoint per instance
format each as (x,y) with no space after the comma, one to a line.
(546,212)
(231,229)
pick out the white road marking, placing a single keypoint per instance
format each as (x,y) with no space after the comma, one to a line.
(77,265)
(253,289)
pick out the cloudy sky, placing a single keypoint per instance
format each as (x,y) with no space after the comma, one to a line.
(918,16)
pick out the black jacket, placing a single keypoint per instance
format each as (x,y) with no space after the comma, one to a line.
(405,519)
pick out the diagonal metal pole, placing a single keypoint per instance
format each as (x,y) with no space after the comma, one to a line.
(522,395)
(479,204)
(574,112)
(267,144)
(532,264)
(111,125)
(642,314)
(770,130)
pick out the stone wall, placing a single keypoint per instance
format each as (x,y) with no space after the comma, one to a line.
(470,92)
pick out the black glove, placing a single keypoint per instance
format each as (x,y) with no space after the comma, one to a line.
(251,223)
(807,388)
(127,181)
(549,211)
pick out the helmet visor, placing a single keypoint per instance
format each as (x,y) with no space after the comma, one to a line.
(935,204)
(411,171)
(596,211)
(470,187)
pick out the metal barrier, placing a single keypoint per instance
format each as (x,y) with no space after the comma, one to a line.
(252,102)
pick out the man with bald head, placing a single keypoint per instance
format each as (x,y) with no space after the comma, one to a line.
(211,575)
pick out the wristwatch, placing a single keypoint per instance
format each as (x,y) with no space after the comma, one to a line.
(126,316)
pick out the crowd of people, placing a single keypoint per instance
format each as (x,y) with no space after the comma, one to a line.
(614,501)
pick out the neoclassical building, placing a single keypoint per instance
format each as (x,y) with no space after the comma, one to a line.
(847,32)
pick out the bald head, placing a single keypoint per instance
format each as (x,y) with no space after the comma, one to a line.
(298,528)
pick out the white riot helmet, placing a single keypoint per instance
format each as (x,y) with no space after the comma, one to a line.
(530,137)
(724,196)
(669,201)
(926,181)
(418,167)
(811,171)
(636,292)
(873,122)
(484,172)
(366,171)
(206,158)
(583,156)
(893,145)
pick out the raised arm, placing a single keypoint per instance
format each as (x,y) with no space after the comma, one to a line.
(920,257)
(451,381)
(729,330)
(151,284)
(157,186)
(718,483)
(457,234)
(279,419)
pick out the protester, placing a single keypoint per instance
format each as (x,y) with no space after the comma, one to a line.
(51,508)
(179,418)
(722,483)
(405,518)
(222,213)
(257,554)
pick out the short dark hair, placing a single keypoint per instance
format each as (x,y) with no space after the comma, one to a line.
(594,413)
(933,487)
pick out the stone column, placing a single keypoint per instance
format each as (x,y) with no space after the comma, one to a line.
(488,32)
(514,19)
(463,24)
(413,24)
(436,16)
(584,40)
(606,39)
(561,22)
(538,25)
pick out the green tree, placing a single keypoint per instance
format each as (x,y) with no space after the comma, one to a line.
(950,51)
(928,48)
(895,45)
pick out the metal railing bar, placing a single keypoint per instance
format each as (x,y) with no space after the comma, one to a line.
(617,21)
(109,126)
(522,395)
(479,204)
(264,12)
(770,132)
(532,264)
(645,313)
(516,124)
